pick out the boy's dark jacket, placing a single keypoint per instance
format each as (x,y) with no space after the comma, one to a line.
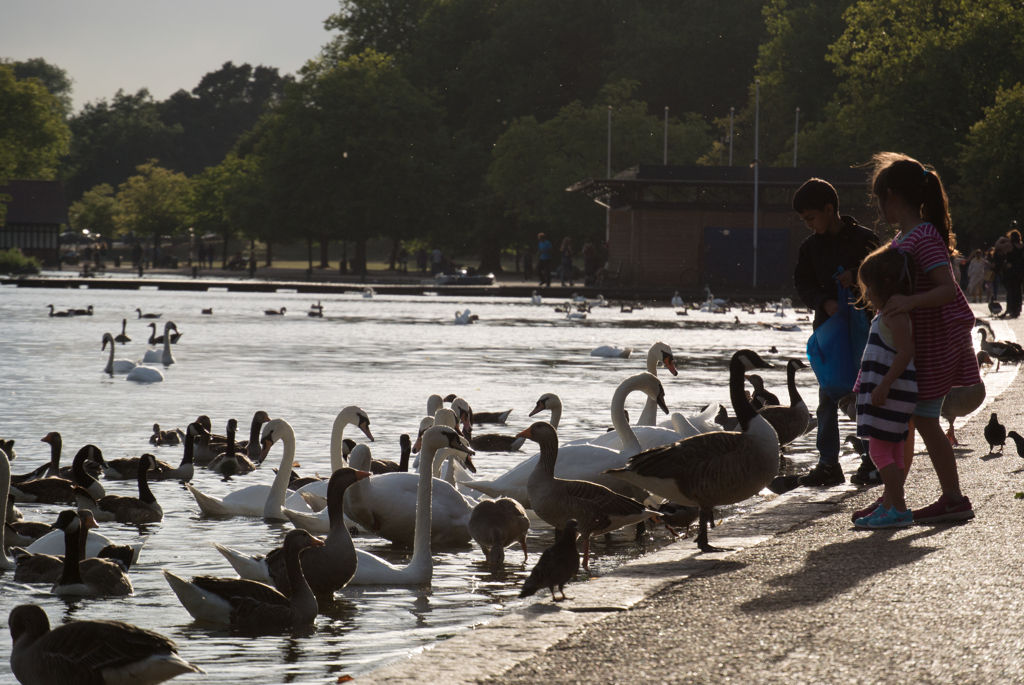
(820,259)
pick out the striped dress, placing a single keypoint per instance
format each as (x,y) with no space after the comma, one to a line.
(888,422)
(943,347)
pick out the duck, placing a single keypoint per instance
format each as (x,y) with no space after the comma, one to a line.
(985,359)
(1001,349)
(371,569)
(253,606)
(89,651)
(789,422)
(162,437)
(163,356)
(231,462)
(477,417)
(713,469)
(100,578)
(145,374)
(122,337)
(677,301)
(155,339)
(276,312)
(558,565)
(761,397)
(115,366)
(208,311)
(59,314)
(959,402)
(595,508)
(259,501)
(611,352)
(496,524)
(52,490)
(147,316)
(327,569)
(141,509)
(536,299)
(389,505)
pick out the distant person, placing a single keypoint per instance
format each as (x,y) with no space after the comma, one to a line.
(136,255)
(566,267)
(836,241)
(591,262)
(209,256)
(201,251)
(436,261)
(421,260)
(976,268)
(1013,274)
(528,263)
(544,248)
(403,258)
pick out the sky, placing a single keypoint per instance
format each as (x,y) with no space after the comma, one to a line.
(106,45)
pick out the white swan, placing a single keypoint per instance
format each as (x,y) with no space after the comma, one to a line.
(463,318)
(371,569)
(587,461)
(703,422)
(576,316)
(677,301)
(53,543)
(388,505)
(536,299)
(164,357)
(145,374)
(612,351)
(349,416)
(368,293)
(660,354)
(263,501)
(115,365)
(6,562)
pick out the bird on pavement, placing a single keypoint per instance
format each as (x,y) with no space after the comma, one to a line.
(995,434)
(1018,441)
(995,307)
(558,565)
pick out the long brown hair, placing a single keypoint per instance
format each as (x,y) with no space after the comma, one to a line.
(918,185)
(888,272)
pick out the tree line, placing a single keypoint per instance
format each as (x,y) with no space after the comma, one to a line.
(461,122)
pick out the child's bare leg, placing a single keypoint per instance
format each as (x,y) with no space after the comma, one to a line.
(908,448)
(941,454)
(893,478)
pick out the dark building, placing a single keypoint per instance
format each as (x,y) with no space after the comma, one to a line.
(35,214)
(687,227)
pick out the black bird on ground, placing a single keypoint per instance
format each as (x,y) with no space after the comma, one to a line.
(857,444)
(995,434)
(558,565)
(1018,441)
(994,307)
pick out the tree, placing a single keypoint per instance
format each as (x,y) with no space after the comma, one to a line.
(991,165)
(97,211)
(33,135)
(152,202)
(53,78)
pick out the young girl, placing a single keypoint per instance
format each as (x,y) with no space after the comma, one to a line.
(887,385)
(912,197)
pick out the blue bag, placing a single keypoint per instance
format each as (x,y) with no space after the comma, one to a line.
(836,347)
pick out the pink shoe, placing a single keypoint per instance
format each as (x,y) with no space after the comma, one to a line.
(861,513)
(945,510)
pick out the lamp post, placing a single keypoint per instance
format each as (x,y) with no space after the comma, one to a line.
(608,207)
(732,113)
(796,135)
(665,155)
(757,164)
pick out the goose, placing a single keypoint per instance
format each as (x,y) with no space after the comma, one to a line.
(232,463)
(789,422)
(122,337)
(660,354)
(477,417)
(163,356)
(958,402)
(145,374)
(101,578)
(276,312)
(316,313)
(141,509)
(162,437)
(611,352)
(18,532)
(127,468)
(186,469)
(488,442)
(59,490)
(496,524)
(588,460)
(558,565)
(1001,349)
(555,500)
(113,366)
(257,501)
(379,467)
(327,569)
(50,469)
(206,447)
(48,568)
(5,484)
(253,449)
(89,651)
(55,470)
(147,316)
(60,314)
(713,469)
(464,318)
(371,569)
(761,397)
(536,299)
(677,301)
(95,544)
(155,339)
(388,505)
(208,311)
(248,604)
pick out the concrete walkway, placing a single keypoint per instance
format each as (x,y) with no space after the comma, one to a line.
(805,598)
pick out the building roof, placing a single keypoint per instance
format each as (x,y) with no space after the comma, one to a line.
(35,202)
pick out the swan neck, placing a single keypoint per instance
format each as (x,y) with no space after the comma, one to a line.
(421,538)
(403,462)
(279,488)
(5,489)
(110,360)
(337,436)
(630,445)
(556,414)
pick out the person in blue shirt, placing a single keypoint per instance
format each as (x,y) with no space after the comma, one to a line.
(544,248)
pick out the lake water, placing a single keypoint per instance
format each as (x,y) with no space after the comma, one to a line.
(386,355)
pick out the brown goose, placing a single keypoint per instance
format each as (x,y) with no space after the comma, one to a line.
(155,339)
(381,466)
(59,490)
(495,524)
(499,417)
(596,508)
(122,337)
(761,397)
(959,402)
(327,569)
(141,509)
(488,442)
(162,437)
(147,316)
(127,468)
(60,314)
(48,568)
(100,578)
(789,422)
(186,469)
(232,463)
(250,605)
(558,565)
(53,469)
(89,651)
(713,469)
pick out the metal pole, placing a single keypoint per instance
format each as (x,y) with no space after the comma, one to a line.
(796,135)
(608,207)
(757,164)
(732,113)
(609,141)
(665,156)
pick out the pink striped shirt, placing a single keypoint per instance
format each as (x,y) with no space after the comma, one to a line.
(943,349)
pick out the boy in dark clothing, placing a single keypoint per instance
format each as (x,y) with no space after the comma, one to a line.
(837,241)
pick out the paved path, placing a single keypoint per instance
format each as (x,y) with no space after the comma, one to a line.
(806,598)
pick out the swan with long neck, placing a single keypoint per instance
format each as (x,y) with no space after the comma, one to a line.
(264,501)
(6,562)
(349,416)
(659,354)
(115,365)
(371,569)
(163,356)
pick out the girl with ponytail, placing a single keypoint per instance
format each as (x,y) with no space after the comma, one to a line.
(911,196)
